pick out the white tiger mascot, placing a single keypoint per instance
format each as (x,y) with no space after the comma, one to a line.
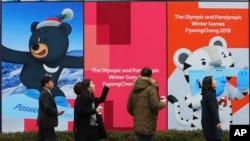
(201,62)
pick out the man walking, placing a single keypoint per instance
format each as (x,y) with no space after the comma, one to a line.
(47,114)
(143,104)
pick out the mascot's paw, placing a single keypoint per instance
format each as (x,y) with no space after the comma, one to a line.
(243,79)
(172,99)
(33,93)
(220,85)
(61,101)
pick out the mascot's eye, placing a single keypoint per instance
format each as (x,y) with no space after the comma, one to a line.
(38,39)
(229,54)
(203,63)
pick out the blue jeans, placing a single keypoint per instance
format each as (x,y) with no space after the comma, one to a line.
(145,138)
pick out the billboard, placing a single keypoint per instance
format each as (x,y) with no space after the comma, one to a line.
(110,42)
(120,39)
(113,39)
(30,52)
(208,38)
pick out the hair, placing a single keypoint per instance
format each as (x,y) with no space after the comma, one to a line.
(85,85)
(45,80)
(147,72)
(207,85)
(78,88)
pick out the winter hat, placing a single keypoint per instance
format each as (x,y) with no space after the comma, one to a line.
(67,14)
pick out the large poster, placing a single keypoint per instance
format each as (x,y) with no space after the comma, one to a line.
(207,38)
(120,39)
(39,39)
(109,42)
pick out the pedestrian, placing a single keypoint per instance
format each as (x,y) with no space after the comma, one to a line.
(144,104)
(88,122)
(47,113)
(210,121)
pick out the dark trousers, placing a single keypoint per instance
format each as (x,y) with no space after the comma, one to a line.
(145,138)
(209,139)
(47,133)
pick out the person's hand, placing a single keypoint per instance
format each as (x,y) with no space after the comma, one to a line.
(60,112)
(164,100)
(243,79)
(107,85)
(99,109)
(218,125)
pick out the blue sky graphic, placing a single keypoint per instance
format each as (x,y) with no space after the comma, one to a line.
(17,18)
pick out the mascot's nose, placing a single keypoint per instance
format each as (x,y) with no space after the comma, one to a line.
(35,46)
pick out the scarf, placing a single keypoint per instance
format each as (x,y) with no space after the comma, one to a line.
(93,117)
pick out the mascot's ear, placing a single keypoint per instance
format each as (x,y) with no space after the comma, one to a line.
(33,26)
(180,57)
(65,28)
(218,41)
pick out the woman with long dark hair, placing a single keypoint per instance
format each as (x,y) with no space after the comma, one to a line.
(88,123)
(210,120)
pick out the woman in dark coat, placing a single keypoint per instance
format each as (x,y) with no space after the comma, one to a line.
(210,120)
(88,123)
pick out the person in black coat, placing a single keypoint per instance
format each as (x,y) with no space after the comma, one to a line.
(47,114)
(210,120)
(88,123)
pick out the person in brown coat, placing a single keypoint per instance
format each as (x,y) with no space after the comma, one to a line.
(143,104)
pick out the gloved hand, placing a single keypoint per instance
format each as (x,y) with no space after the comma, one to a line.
(220,85)
(243,79)
(196,87)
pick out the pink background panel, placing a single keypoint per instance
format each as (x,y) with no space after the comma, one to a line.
(147,47)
